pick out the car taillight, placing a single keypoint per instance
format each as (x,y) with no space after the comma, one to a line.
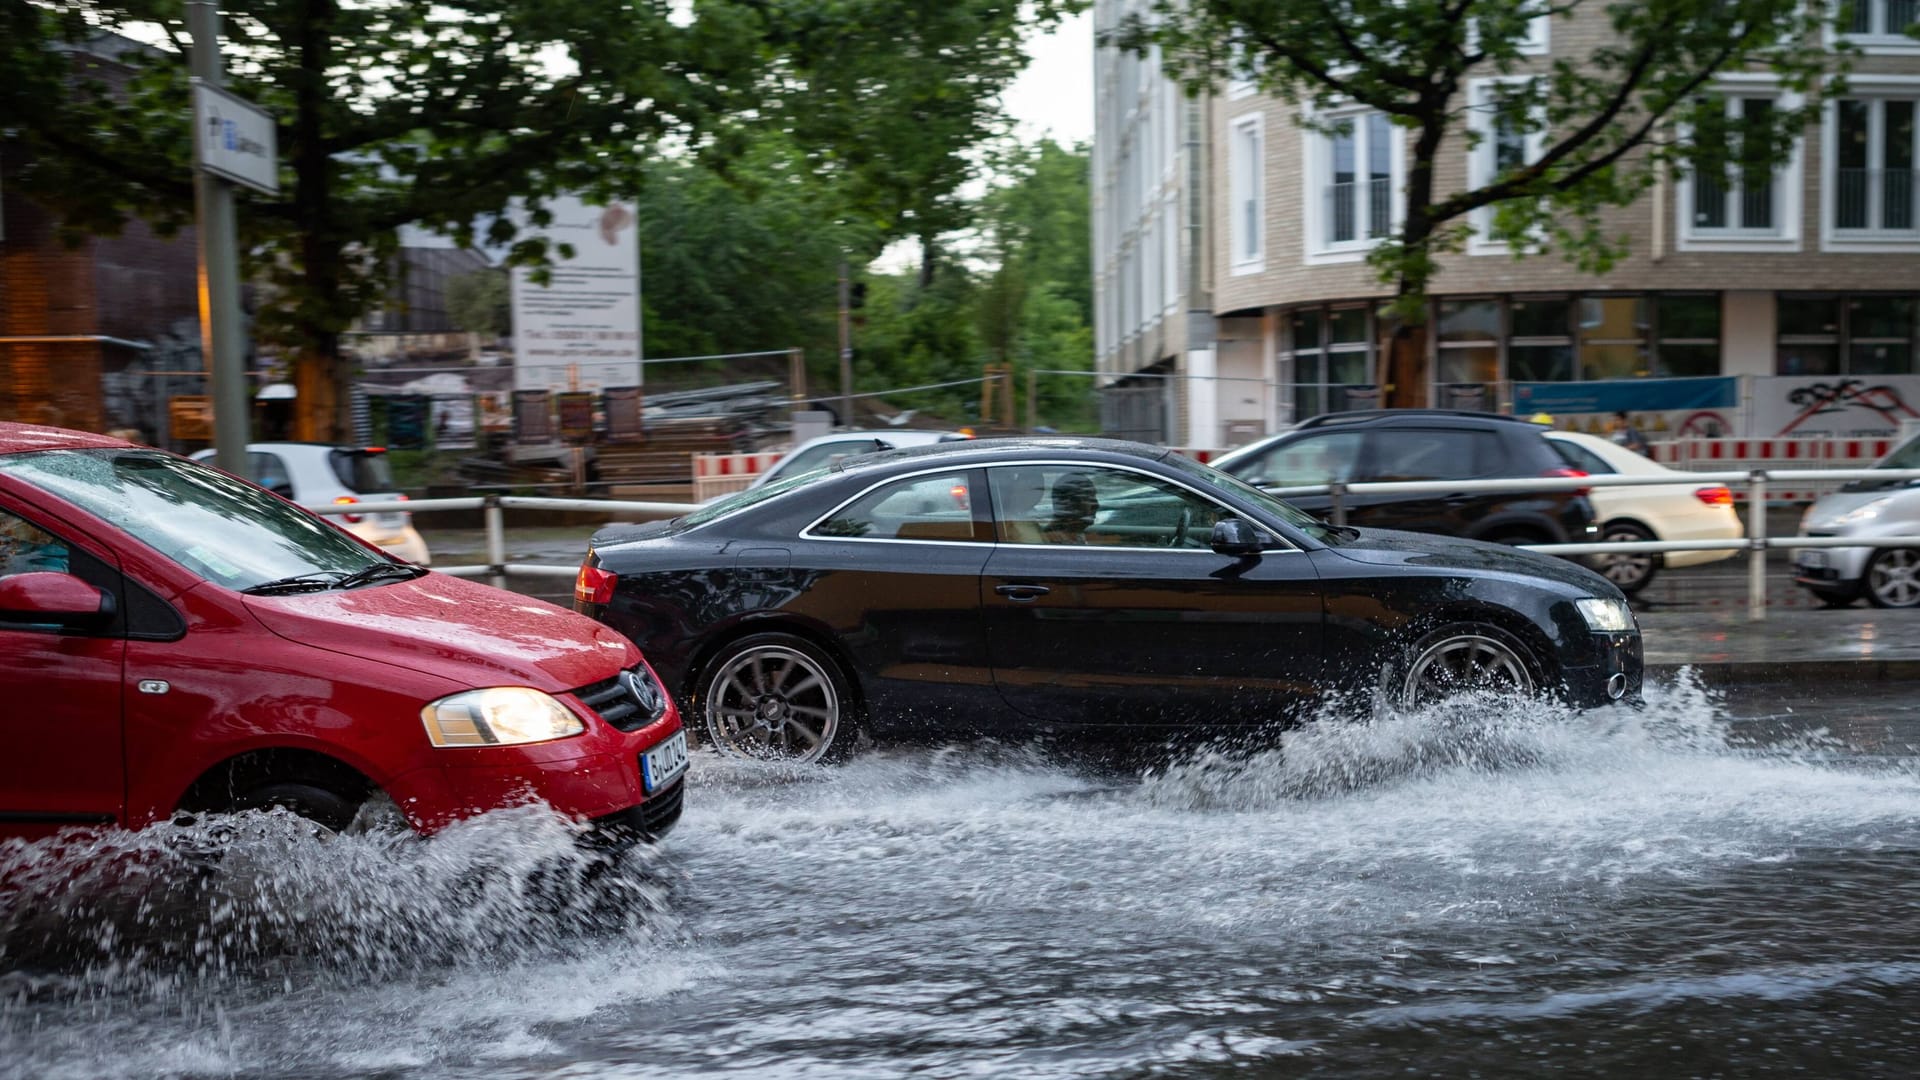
(1714,496)
(594,585)
(348,500)
(1564,471)
(959,493)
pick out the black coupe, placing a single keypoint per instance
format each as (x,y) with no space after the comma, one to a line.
(1021,586)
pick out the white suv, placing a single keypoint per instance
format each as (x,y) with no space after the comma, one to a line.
(319,475)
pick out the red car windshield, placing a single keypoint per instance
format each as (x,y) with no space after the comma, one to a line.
(225,530)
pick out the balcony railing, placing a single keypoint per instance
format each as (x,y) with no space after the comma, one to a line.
(1343,209)
(1859,193)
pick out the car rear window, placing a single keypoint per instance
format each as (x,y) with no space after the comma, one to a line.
(362,471)
(1579,457)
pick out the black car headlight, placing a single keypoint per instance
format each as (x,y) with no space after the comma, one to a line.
(1606,616)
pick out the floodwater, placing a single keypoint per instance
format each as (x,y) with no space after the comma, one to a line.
(1698,889)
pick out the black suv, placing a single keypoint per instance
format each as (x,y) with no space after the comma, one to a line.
(1424,444)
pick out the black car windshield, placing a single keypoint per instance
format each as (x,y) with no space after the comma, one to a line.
(1279,508)
(227,531)
(740,500)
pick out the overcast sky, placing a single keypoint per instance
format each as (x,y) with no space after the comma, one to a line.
(1054,96)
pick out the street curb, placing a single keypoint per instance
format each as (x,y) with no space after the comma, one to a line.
(1797,672)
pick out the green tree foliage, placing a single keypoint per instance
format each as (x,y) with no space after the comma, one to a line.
(1606,119)
(481,303)
(445,114)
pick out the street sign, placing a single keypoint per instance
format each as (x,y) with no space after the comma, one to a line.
(234,139)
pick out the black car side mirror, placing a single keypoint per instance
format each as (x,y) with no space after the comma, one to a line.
(1236,536)
(50,597)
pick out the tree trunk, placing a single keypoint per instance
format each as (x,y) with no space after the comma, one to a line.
(322,411)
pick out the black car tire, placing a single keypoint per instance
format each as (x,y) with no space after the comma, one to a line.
(776,697)
(1893,578)
(1460,658)
(1631,572)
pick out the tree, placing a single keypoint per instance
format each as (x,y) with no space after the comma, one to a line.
(446,114)
(481,303)
(1605,121)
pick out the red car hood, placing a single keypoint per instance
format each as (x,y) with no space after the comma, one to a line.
(460,630)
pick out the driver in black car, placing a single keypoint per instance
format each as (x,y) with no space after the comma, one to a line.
(1075,502)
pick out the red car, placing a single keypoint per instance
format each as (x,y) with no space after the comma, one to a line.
(175,639)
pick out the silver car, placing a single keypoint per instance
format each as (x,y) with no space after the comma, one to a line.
(1887,576)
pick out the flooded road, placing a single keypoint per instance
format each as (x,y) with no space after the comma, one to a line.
(1703,888)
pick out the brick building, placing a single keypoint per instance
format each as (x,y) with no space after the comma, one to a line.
(82,327)
(1262,308)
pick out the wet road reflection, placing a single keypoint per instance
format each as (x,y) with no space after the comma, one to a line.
(1704,887)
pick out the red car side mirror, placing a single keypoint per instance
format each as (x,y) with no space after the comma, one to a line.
(48,597)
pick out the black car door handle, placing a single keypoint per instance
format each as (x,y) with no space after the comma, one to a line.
(1022,593)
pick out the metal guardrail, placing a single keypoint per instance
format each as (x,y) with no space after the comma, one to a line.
(1755,543)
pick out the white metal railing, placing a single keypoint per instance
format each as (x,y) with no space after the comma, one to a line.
(1756,543)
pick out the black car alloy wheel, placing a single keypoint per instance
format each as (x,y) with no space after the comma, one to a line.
(776,697)
(1463,658)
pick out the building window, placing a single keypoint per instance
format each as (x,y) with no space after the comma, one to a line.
(1876,147)
(1689,335)
(1734,200)
(1468,337)
(1863,334)
(1612,333)
(1512,135)
(1331,360)
(1359,187)
(1881,25)
(1541,348)
(1247,200)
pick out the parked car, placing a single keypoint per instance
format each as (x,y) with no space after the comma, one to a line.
(1382,445)
(1888,577)
(1683,510)
(827,449)
(320,474)
(1090,586)
(177,639)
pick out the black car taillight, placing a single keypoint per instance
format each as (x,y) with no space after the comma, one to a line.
(594,585)
(1564,471)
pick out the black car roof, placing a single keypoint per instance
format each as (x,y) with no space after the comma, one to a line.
(987,451)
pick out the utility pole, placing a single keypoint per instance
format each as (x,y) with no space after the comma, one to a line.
(846,348)
(220,329)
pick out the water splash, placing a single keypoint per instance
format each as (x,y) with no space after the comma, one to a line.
(264,896)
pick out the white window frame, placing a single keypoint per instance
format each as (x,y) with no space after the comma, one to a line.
(1879,41)
(1246,180)
(1170,226)
(1859,241)
(1539,40)
(1316,153)
(1788,185)
(1480,161)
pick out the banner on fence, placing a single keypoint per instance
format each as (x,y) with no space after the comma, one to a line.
(624,421)
(576,416)
(1626,395)
(533,416)
(1838,406)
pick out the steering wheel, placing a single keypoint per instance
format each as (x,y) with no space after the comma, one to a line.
(1180,529)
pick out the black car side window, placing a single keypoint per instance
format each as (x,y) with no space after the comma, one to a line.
(938,507)
(1432,454)
(1306,462)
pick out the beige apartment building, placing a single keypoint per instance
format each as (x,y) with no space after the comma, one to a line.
(1234,298)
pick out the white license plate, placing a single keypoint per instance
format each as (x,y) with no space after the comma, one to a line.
(1813,560)
(663,764)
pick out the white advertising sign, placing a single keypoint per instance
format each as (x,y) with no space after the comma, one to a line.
(1834,406)
(581,331)
(234,139)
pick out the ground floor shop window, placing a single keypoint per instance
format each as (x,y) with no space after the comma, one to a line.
(1329,360)
(1834,334)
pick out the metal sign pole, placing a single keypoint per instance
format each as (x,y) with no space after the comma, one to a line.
(220,336)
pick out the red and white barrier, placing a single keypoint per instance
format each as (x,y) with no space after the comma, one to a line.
(721,474)
(1774,455)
